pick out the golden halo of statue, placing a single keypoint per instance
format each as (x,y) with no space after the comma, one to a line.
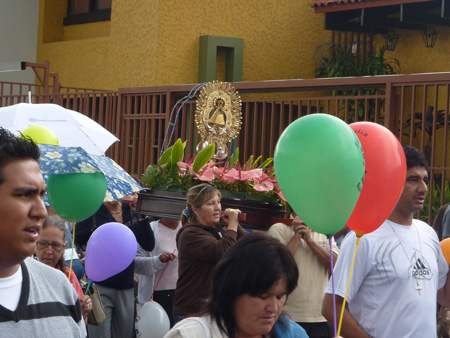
(218,113)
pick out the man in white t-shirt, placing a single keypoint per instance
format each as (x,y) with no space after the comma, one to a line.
(399,271)
(35,299)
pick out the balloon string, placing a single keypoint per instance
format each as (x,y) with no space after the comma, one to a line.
(162,273)
(348,286)
(73,248)
(88,286)
(332,282)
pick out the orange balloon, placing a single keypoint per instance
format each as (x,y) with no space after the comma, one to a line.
(384,179)
(445,247)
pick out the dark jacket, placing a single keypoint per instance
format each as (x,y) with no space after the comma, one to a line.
(200,247)
(141,229)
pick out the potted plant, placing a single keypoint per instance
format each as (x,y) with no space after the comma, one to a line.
(251,187)
(344,63)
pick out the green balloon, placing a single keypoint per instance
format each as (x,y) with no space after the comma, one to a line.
(76,197)
(319,165)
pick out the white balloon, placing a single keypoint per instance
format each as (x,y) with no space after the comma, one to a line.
(152,321)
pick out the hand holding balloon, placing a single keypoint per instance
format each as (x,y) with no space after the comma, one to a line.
(166,257)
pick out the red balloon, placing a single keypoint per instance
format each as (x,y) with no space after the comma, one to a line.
(384,179)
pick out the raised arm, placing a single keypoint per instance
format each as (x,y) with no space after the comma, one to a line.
(146,263)
(303,231)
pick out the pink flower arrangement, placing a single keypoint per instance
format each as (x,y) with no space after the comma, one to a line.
(235,179)
(177,173)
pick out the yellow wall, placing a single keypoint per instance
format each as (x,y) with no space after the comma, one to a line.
(414,57)
(156,42)
(426,60)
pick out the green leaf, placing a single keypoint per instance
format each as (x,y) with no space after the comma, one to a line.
(266,163)
(236,157)
(247,165)
(203,157)
(272,172)
(177,152)
(230,163)
(165,157)
(257,160)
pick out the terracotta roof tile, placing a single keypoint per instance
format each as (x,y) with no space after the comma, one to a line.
(335,2)
(322,4)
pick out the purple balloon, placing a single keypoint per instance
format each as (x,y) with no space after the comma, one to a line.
(110,250)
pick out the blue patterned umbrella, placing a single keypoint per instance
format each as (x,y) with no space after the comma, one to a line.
(65,160)
(120,183)
(75,160)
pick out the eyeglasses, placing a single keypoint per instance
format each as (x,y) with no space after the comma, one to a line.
(55,246)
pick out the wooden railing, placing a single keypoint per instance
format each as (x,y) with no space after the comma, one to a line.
(145,119)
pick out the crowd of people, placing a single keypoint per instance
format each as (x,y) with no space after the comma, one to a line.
(211,276)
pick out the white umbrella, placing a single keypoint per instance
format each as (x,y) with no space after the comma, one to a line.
(71,128)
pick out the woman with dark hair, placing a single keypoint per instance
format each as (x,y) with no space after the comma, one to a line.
(50,248)
(201,243)
(250,286)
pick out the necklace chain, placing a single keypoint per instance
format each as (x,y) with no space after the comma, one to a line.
(418,286)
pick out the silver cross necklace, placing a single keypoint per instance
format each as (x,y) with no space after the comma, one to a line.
(418,286)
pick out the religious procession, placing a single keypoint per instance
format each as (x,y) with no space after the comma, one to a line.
(299,189)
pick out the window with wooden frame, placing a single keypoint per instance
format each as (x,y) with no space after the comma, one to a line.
(86,11)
